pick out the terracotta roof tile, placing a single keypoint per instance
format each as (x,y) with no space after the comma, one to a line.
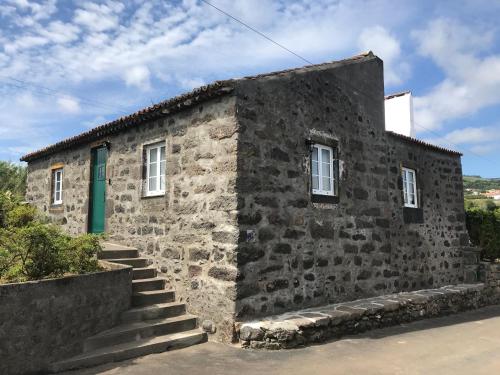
(424,144)
(172,105)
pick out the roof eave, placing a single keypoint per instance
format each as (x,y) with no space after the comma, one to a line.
(173,105)
(424,144)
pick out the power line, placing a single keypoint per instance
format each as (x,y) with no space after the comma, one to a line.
(258,32)
(57,93)
(356,89)
(454,144)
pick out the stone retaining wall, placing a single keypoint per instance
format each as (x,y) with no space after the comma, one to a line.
(333,321)
(41,321)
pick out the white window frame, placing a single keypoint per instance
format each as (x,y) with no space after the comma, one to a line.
(158,191)
(407,189)
(320,190)
(57,185)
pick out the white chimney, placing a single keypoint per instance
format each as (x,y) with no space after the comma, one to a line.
(399,114)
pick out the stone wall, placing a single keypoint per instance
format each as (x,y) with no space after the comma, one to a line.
(489,274)
(43,321)
(334,321)
(295,253)
(237,234)
(191,232)
(428,242)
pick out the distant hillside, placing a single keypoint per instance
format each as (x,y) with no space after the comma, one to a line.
(479,183)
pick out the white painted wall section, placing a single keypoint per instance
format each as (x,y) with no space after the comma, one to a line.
(399,114)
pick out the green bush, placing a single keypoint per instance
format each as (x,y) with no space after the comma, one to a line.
(8,201)
(41,251)
(484,231)
(83,250)
(31,249)
(13,178)
(21,216)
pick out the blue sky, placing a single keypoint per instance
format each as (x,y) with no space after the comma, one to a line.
(66,66)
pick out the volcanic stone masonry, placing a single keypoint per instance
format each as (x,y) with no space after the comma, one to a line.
(238,233)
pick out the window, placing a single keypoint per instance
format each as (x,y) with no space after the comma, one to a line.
(409,187)
(155,169)
(322,170)
(57,186)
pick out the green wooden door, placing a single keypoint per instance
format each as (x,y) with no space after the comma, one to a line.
(98,190)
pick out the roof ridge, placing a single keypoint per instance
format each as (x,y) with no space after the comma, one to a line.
(173,105)
(305,67)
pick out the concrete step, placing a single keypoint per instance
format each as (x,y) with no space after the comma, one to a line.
(152,297)
(134,262)
(163,310)
(143,273)
(134,331)
(141,285)
(131,350)
(115,246)
(118,254)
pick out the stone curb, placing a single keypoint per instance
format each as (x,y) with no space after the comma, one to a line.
(334,321)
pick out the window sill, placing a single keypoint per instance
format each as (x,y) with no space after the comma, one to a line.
(59,207)
(153,196)
(318,198)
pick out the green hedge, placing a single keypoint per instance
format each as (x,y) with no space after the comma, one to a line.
(484,231)
(33,249)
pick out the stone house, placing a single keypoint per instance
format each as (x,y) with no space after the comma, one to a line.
(266,194)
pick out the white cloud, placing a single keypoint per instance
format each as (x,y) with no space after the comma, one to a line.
(138,76)
(96,121)
(68,104)
(59,32)
(25,43)
(189,83)
(387,47)
(484,149)
(33,11)
(479,140)
(99,17)
(472,77)
(473,135)
(26,100)
(105,50)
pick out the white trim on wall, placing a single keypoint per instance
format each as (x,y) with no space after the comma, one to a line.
(322,177)
(409,187)
(57,180)
(155,169)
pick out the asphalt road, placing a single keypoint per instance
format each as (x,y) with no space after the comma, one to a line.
(467,343)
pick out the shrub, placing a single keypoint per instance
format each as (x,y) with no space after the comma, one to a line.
(31,249)
(484,231)
(83,250)
(7,202)
(41,251)
(20,216)
(13,178)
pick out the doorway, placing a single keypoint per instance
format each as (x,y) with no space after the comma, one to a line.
(97,204)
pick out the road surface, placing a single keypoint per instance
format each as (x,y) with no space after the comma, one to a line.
(467,343)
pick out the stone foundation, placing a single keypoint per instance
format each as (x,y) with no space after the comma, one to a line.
(334,321)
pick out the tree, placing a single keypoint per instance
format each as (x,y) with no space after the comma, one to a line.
(13,178)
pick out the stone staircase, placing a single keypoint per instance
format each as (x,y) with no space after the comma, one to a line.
(154,324)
